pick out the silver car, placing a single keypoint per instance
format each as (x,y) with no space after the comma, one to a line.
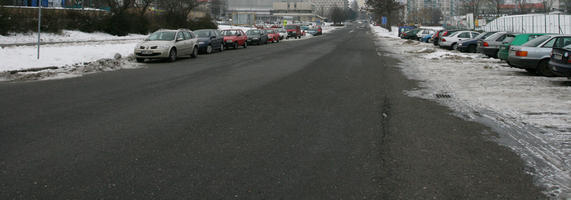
(533,56)
(491,45)
(452,41)
(168,44)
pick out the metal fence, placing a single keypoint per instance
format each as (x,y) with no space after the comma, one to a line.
(536,23)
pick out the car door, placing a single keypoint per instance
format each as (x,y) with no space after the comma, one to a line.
(192,41)
(544,50)
(180,43)
(463,36)
(217,39)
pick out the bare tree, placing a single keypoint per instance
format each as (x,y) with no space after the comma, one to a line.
(497,4)
(118,7)
(143,5)
(178,10)
(547,5)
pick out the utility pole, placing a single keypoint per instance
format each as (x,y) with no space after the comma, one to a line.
(39,25)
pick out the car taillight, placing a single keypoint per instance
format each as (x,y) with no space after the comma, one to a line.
(486,44)
(521,53)
(443,40)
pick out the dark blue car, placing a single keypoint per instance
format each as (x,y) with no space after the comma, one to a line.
(471,46)
(560,62)
(209,40)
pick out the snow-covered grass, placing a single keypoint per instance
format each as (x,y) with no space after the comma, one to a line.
(65,36)
(24,57)
(536,109)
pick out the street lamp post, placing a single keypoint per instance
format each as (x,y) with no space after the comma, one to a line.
(39,25)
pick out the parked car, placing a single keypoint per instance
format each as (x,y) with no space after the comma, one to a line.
(273,36)
(515,40)
(403,29)
(534,56)
(471,46)
(209,40)
(560,61)
(235,38)
(426,38)
(421,34)
(257,36)
(442,33)
(293,31)
(169,44)
(411,35)
(282,32)
(315,31)
(491,45)
(451,41)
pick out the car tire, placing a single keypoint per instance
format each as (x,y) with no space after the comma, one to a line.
(209,49)
(194,52)
(472,48)
(543,68)
(455,46)
(172,55)
(278,41)
(140,60)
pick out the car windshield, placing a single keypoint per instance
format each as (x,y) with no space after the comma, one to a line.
(162,36)
(535,42)
(568,47)
(253,32)
(230,32)
(202,33)
(485,35)
(282,30)
(291,27)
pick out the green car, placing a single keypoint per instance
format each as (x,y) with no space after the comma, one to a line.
(515,40)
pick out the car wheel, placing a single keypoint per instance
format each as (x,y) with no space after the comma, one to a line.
(209,49)
(245,45)
(472,48)
(543,68)
(140,60)
(172,55)
(278,41)
(194,52)
(454,46)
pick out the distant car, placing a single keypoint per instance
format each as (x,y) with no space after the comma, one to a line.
(491,45)
(315,31)
(451,41)
(257,36)
(169,44)
(411,35)
(426,38)
(560,61)
(282,32)
(293,31)
(442,33)
(534,56)
(209,40)
(235,38)
(273,36)
(515,40)
(421,34)
(471,46)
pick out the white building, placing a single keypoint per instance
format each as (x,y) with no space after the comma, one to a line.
(323,7)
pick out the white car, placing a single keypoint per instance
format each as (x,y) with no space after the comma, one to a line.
(452,41)
(168,44)
(423,33)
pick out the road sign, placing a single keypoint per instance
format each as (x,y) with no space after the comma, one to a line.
(384,20)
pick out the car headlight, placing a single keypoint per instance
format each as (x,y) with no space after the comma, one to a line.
(164,46)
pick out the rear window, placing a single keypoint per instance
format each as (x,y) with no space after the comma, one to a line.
(509,38)
(562,42)
(535,42)
(483,36)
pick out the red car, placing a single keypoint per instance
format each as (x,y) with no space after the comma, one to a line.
(293,31)
(234,38)
(273,35)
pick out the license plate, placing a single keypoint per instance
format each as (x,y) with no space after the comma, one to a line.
(147,52)
(558,57)
(229,41)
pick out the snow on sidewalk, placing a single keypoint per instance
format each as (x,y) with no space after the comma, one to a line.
(533,112)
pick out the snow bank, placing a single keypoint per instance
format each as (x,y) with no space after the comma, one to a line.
(533,112)
(65,36)
(24,57)
(382,32)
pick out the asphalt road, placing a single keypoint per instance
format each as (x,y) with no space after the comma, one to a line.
(324,118)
